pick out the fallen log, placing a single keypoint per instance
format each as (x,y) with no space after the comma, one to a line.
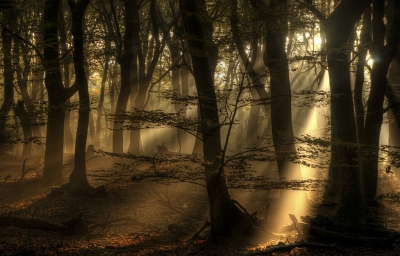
(75,226)
(30,223)
(288,247)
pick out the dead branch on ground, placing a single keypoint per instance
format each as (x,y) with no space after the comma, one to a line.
(288,247)
(75,226)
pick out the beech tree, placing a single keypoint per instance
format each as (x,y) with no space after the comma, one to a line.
(125,56)
(78,175)
(344,170)
(385,41)
(57,96)
(226,217)
(6,40)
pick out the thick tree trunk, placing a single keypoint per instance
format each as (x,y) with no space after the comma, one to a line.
(392,97)
(57,96)
(344,164)
(383,52)
(344,169)
(8,77)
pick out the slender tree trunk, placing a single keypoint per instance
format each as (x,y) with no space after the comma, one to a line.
(20,112)
(24,119)
(365,41)
(147,62)
(23,86)
(78,175)
(175,50)
(68,138)
(38,86)
(111,90)
(281,109)
(225,216)
(92,130)
(125,65)
(249,65)
(100,106)
(184,78)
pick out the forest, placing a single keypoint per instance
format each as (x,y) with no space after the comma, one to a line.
(199,127)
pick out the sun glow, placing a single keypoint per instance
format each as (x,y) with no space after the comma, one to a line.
(317,40)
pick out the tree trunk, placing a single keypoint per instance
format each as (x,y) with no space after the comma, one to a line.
(78,175)
(225,216)
(365,41)
(125,64)
(281,107)
(185,75)
(25,122)
(147,62)
(383,52)
(392,97)
(175,52)
(6,40)
(20,112)
(111,90)
(100,106)
(344,170)
(57,95)
(68,138)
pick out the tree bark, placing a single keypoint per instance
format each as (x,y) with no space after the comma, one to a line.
(25,122)
(68,138)
(57,96)
(281,104)
(141,85)
(124,61)
(78,175)
(344,159)
(365,44)
(100,106)
(225,215)
(6,40)
(383,52)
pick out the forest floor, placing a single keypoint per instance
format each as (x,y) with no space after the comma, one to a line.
(152,208)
